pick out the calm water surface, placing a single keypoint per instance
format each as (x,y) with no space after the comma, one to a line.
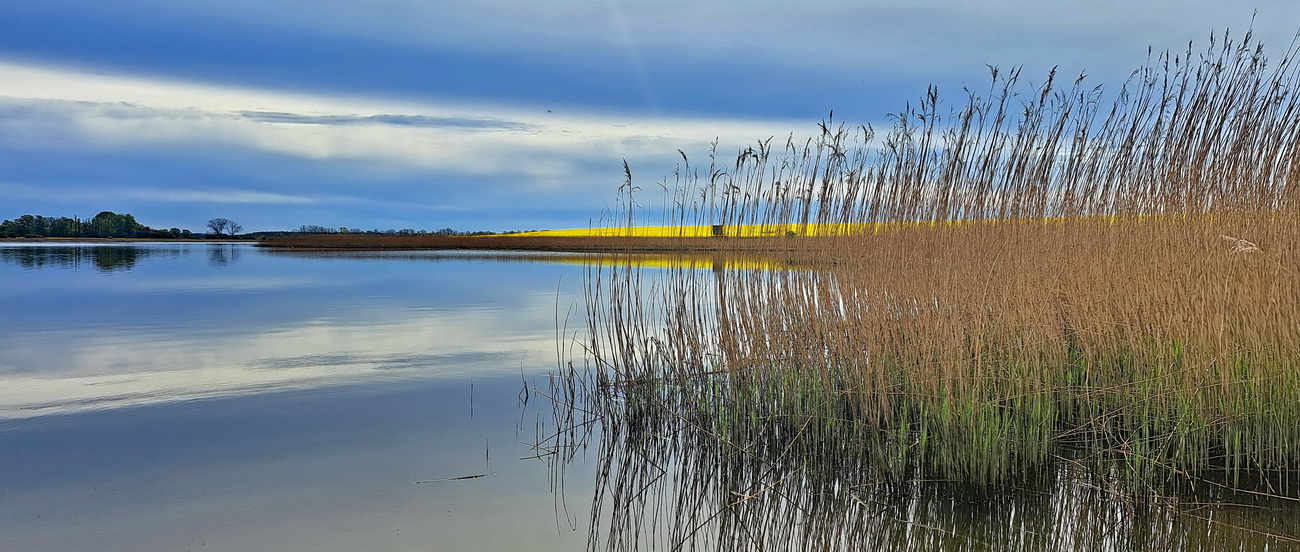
(208,396)
(203,396)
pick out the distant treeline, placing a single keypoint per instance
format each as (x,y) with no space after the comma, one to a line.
(106,224)
(311,229)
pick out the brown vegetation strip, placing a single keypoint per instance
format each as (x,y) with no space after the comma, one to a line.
(542,243)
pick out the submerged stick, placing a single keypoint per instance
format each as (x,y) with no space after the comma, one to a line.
(461,478)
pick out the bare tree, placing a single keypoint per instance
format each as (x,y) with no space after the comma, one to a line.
(224,227)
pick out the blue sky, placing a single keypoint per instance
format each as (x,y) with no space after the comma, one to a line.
(491,114)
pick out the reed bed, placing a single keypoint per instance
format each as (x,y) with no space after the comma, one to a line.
(1053,279)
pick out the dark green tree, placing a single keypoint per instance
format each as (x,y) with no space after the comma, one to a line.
(108,224)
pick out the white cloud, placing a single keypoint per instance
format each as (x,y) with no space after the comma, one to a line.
(108,111)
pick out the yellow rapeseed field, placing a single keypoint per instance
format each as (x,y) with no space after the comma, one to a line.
(737,231)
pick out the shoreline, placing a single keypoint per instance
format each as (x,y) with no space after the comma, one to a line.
(119,240)
(534,243)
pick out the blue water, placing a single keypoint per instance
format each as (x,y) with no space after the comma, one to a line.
(204,396)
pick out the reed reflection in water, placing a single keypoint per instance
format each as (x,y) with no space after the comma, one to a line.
(720,424)
(679,469)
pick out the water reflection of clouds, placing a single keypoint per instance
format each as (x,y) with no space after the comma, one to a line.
(252,283)
(123,370)
(274,403)
(178,285)
(180,330)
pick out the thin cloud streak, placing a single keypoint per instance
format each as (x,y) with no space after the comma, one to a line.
(222,197)
(91,191)
(420,121)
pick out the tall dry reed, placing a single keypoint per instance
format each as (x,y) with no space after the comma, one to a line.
(1039,276)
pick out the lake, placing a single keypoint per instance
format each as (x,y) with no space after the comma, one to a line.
(217,396)
(220,396)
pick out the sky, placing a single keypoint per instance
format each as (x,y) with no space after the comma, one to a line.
(495,114)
